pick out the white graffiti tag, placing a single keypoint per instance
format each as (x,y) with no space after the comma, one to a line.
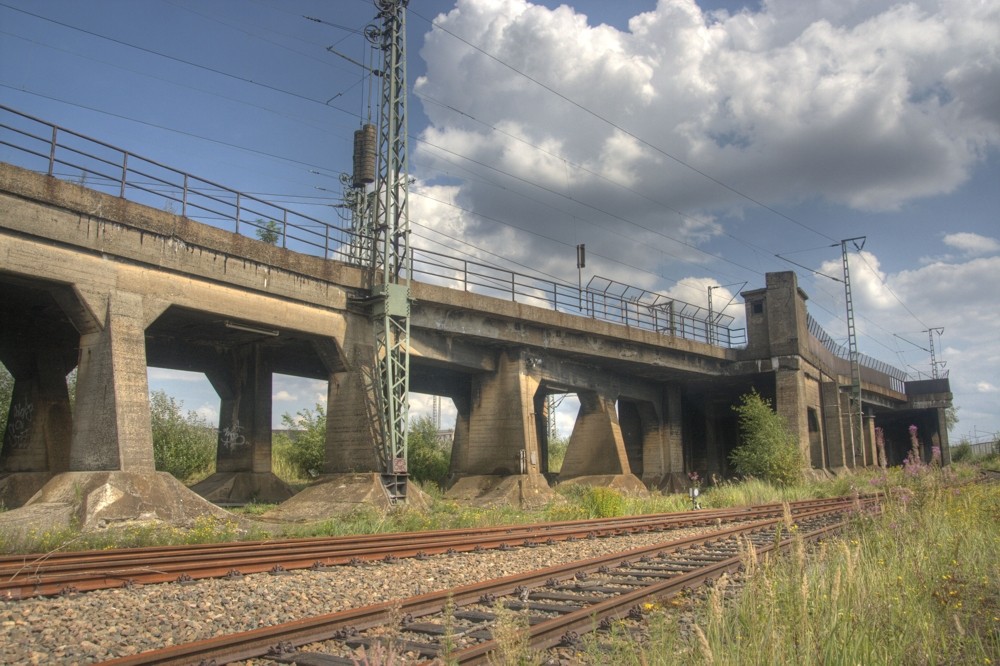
(19,425)
(232,437)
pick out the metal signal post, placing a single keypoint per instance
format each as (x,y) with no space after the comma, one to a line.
(857,413)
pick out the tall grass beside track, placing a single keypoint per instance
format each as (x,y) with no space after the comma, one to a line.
(918,584)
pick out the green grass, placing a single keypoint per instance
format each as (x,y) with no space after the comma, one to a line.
(919,584)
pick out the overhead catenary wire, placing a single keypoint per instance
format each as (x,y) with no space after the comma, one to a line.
(319,101)
(618,127)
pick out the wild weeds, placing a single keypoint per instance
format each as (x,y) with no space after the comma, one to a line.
(918,584)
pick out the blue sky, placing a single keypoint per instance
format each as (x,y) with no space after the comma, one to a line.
(687,144)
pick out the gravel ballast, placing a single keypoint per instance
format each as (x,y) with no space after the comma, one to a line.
(101,625)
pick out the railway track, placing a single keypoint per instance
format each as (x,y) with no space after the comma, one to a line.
(50,574)
(559,602)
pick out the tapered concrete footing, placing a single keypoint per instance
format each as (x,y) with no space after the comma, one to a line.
(528,491)
(93,500)
(626,483)
(671,482)
(238,488)
(16,488)
(333,495)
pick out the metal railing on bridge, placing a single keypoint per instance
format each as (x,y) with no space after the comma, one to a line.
(62,153)
(897,378)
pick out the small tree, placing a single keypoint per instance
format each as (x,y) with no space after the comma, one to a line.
(427,457)
(268,232)
(768,449)
(182,445)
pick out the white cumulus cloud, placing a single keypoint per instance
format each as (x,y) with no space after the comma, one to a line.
(972,244)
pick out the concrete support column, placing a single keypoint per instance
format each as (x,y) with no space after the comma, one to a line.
(351,425)
(39,423)
(501,423)
(35,445)
(460,442)
(940,437)
(111,427)
(596,446)
(674,429)
(790,404)
(871,450)
(833,425)
(244,386)
(243,455)
(499,461)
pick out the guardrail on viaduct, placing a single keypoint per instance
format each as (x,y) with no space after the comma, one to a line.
(59,152)
(63,153)
(44,147)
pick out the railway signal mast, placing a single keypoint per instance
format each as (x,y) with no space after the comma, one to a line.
(857,411)
(387,234)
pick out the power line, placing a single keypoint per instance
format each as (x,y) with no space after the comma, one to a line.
(618,127)
(889,289)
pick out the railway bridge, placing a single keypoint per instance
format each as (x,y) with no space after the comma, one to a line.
(111,283)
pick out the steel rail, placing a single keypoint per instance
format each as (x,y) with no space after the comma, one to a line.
(46,575)
(259,642)
(552,633)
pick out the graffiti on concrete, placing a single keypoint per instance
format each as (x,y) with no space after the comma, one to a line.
(19,425)
(231,438)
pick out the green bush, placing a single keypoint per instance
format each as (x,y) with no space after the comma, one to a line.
(303,448)
(768,449)
(182,445)
(601,502)
(428,458)
(961,452)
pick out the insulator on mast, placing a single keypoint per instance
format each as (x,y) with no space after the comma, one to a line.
(365,149)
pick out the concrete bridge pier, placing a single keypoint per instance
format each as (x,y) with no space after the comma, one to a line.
(35,444)
(496,457)
(352,472)
(243,457)
(111,474)
(661,429)
(596,453)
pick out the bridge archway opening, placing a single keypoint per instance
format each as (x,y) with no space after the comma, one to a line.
(635,419)
(255,375)
(556,412)
(434,424)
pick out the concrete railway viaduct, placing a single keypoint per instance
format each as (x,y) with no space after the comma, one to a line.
(111,286)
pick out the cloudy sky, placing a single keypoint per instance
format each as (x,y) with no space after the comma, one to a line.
(687,144)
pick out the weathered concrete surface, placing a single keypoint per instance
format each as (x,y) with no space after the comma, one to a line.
(91,500)
(528,491)
(16,488)
(626,483)
(238,488)
(334,495)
